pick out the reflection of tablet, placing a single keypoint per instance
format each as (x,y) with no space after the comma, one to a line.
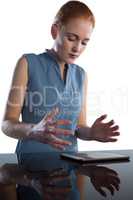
(93,157)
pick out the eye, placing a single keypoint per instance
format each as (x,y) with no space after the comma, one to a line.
(85,43)
(71,38)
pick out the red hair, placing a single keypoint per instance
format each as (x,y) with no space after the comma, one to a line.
(74,9)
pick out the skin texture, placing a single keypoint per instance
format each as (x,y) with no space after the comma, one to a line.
(69,43)
(71,39)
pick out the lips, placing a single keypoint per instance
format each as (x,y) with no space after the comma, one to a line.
(73,55)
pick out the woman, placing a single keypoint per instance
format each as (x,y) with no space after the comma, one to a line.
(49,90)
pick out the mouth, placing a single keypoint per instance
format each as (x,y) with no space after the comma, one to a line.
(73,56)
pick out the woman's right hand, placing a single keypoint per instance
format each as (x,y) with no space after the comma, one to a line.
(47,131)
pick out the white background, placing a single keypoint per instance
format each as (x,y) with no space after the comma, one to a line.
(25,28)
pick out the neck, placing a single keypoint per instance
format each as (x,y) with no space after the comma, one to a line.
(60,62)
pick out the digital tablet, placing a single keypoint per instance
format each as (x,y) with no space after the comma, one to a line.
(93,157)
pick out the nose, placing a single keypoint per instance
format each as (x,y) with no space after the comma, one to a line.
(77,46)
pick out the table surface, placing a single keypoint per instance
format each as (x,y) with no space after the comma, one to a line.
(45,176)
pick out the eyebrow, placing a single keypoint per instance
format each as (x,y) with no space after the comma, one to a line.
(75,35)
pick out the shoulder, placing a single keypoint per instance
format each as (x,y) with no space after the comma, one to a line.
(21,66)
(20,74)
(33,58)
(29,57)
(78,68)
(79,71)
(28,64)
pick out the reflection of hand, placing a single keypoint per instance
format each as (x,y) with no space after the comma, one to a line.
(56,185)
(12,174)
(4,175)
(46,131)
(104,132)
(102,177)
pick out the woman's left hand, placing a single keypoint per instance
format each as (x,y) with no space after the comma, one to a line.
(100,131)
(104,132)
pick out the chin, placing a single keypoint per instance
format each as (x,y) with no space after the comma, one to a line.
(70,61)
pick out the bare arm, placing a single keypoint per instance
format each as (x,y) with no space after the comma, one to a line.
(99,131)
(46,130)
(11,125)
(82,121)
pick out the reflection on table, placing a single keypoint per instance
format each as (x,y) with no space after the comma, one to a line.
(46,176)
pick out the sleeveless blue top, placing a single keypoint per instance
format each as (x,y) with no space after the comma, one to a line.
(45,91)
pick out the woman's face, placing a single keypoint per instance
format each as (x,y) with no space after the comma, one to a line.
(71,39)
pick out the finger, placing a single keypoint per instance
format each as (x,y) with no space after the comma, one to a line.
(51,114)
(112,172)
(59,146)
(102,192)
(111,140)
(102,117)
(115,185)
(110,188)
(116,179)
(114,128)
(60,122)
(55,140)
(110,123)
(63,122)
(60,131)
(99,189)
(113,134)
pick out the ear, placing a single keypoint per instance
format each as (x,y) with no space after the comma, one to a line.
(54,31)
